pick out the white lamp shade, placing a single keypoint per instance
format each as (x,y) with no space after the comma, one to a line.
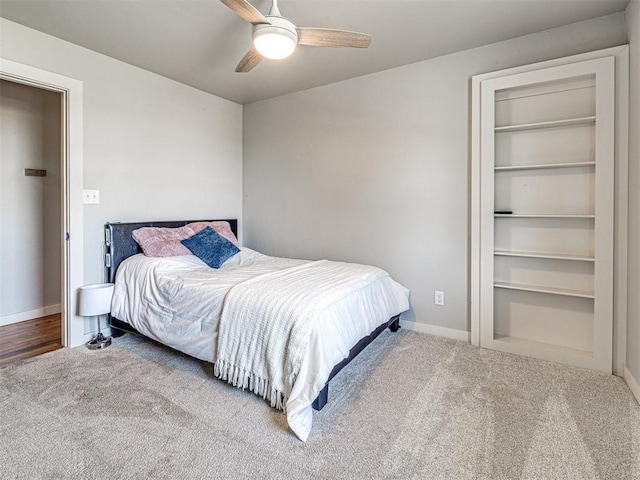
(95,299)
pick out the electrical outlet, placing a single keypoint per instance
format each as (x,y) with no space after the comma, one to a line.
(91,196)
(438,298)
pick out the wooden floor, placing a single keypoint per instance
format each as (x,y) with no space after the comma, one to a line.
(30,338)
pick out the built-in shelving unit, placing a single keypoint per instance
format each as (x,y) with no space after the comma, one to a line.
(546,216)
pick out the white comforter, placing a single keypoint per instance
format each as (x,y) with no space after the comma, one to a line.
(178,301)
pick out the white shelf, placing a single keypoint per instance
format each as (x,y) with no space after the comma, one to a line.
(538,289)
(535,215)
(552,256)
(539,166)
(544,346)
(550,124)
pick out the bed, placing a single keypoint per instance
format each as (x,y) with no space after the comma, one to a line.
(186,305)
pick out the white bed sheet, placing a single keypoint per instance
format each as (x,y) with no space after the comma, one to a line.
(178,302)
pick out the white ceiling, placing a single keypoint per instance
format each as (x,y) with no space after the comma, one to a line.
(200,42)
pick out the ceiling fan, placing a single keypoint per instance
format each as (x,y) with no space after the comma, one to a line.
(276,37)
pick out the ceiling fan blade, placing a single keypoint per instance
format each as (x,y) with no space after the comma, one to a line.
(328,37)
(250,60)
(246,11)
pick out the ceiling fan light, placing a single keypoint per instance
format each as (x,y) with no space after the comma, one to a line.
(275,43)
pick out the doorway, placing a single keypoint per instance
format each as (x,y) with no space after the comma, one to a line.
(71,91)
(31,219)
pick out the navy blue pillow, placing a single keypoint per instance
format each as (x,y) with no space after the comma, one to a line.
(211,247)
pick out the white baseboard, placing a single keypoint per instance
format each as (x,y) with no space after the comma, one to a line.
(437,331)
(634,386)
(30,315)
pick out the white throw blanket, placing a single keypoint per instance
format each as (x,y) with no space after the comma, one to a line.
(267,321)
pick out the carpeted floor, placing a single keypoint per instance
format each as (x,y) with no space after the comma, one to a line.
(410,406)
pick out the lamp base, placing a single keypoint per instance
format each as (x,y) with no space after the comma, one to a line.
(98,342)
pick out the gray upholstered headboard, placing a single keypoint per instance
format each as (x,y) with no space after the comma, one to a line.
(120,245)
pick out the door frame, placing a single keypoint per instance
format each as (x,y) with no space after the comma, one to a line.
(71,174)
(621,195)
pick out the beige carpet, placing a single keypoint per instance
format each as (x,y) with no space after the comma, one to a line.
(411,406)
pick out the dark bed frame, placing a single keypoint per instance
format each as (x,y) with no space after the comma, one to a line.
(120,245)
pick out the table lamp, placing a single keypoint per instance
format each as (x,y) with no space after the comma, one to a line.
(94,301)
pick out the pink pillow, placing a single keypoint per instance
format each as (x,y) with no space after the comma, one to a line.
(222,228)
(163,242)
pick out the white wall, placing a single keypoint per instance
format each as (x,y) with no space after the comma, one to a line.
(30,216)
(376,169)
(633,323)
(156,149)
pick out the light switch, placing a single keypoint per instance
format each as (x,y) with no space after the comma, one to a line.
(91,196)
